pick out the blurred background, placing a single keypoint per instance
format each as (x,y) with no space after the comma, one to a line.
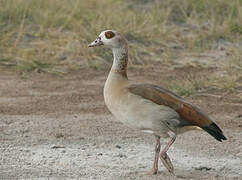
(53,121)
(52,36)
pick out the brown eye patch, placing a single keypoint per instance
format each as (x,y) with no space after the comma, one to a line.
(109,34)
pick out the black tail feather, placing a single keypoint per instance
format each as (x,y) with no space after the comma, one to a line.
(215,131)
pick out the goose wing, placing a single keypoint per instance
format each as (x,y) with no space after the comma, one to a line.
(189,114)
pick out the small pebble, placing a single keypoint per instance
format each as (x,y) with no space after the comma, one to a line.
(118,146)
(57,147)
(203,168)
(122,156)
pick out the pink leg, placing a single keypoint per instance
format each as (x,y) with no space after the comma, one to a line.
(157,152)
(165,158)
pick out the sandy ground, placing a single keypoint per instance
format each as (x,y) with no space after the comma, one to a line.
(59,128)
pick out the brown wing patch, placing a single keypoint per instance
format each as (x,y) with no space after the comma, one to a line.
(109,34)
(190,114)
(193,115)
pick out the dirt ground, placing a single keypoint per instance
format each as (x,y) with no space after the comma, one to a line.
(57,127)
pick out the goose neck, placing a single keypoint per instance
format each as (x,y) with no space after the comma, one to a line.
(120,61)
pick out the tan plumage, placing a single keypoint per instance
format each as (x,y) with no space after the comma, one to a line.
(147,107)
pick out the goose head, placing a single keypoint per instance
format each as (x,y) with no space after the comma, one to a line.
(109,38)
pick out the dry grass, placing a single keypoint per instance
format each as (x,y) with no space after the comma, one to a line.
(52,36)
(189,85)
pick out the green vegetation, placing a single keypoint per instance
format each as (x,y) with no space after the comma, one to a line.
(192,84)
(52,36)
(188,86)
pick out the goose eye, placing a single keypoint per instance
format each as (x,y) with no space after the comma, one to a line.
(109,34)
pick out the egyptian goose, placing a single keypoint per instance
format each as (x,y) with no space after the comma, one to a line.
(149,108)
